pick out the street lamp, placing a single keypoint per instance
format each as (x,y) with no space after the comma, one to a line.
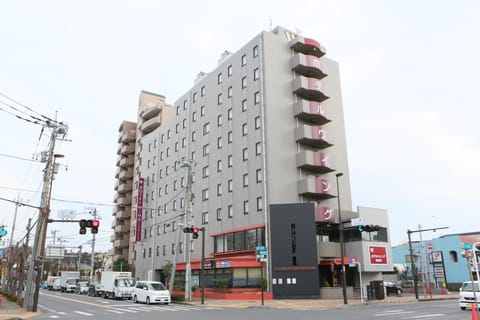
(342,243)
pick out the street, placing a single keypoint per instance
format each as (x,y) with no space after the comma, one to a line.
(55,305)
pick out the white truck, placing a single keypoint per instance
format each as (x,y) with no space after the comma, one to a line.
(117,284)
(68,280)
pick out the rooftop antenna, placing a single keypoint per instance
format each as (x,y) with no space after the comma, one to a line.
(271,22)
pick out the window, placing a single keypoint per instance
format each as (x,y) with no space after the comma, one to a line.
(219,99)
(257,122)
(245,180)
(245,207)
(230,70)
(195,97)
(148,164)
(245,154)
(219,189)
(205,194)
(166,189)
(244,129)
(155,159)
(202,111)
(161,155)
(158,251)
(205,172)
(219,214)
(219,142)
(230,185)
(229,136)
(258,148)
(177,127)
(164,249)
(184,123)
(182,182)
(259,175)
(206,149)
(202,91)
(259,204)
(230,114)
(193,155)
(180,247)
(166,170)
(255,51)
(175,185)
(244,82)
(173,248)
(256,97)
(176,146)
(185,105)
(230,211)
(204,217)
(256,74)
(219,78)
(182,202)
(230,161)
(178,110)
(184,142)
(155,143)
(168,152)
(163,138)
(244,105)
(453,256)
(206,128)
(244,60)
(219,165)
(219,120)
(174,205)
(194,136)
(168,134)
(229,92)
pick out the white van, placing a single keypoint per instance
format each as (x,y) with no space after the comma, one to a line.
(151,292)
(467,299)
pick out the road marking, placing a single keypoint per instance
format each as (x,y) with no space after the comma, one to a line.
(165,308)
(54,317)
(62,313)
(84,313)
(128,310)
(426,316)
(393,312)
(114,311)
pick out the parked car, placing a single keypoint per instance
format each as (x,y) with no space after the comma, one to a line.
(392,288)
(96,290)
(151,292)
(82,287)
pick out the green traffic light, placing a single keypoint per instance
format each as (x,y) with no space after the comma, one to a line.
(360,228)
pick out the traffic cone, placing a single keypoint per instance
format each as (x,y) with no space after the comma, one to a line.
(474,313)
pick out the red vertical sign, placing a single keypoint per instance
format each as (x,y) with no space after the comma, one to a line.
(138,231)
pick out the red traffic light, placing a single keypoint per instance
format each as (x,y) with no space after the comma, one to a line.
(95,223)
(196,230)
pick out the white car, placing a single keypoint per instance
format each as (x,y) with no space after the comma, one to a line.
(467,299)
(151,292)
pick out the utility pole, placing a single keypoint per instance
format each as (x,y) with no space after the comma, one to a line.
(79,257)
(38,249)
(186,218)
(93,249)
(17,204)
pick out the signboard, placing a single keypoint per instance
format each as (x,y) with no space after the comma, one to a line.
(378,255)
(66,214)
(437,256)
(430,246)
(138,230)
(55,251)
(438,272)
(357,222)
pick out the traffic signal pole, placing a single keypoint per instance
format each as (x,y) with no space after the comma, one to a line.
(188,210)
(93,248)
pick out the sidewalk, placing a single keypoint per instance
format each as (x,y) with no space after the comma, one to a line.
(10,310)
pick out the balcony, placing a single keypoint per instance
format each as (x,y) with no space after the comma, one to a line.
(311,111)
(126,174)
(316,188)
(117,182)
(151,124)
(308,66)
(314,136)
(121,243)
(121,228)
(150,112)
(127,149)
(309,88)
(317,162)
(117,172)
(125,201)
(125,187)
(126,161)
(126,136)
(328,249)
(307,46)
(122,214)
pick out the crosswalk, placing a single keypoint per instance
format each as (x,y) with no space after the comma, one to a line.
(129,310)
(408,314)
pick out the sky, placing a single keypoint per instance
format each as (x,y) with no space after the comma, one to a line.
(409,77)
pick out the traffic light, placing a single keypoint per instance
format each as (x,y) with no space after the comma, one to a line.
(187,230)
(368,228)
(212,264)
(83,226)
(195,232)
(360,228)
(95,225)
(3,231)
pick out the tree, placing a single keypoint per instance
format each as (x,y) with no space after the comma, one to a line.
(121,264)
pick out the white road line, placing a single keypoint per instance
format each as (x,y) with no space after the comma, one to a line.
(62,313)
(426,316)
(54,317)
(165,308)
(114,311)
(84,313)
(391,313)
(128,310)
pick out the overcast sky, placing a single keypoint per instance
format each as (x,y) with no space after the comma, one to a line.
(409,75)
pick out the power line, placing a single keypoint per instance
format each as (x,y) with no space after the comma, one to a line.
(30,109)
(17,157)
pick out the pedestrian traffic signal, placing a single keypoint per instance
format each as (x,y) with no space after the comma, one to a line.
(83,226)
(95,225)
(195,233)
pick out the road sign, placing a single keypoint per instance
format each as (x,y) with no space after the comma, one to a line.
(430,246)
(357,222)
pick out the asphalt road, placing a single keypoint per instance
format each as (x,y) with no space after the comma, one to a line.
(70,307)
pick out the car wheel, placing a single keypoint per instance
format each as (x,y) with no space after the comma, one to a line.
(135,299)
(463,308)
(148,300)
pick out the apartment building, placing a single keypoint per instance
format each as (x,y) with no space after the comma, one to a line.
(264,136)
